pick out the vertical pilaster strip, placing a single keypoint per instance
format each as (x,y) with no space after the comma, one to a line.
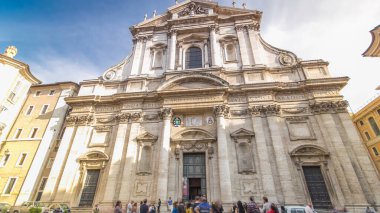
(173,46)
(112,187)
(59,163)
(180,57)
(127,183)
(146,65)
(265,166)
(223,161)
(136,56)
(240,30)
(163,168)
(215,53)
(255,44)
(206,54)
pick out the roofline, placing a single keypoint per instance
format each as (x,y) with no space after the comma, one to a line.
(364,111)
(23,68)
(56,83)
(372,49)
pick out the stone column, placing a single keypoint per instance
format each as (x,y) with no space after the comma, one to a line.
(112,187)
(265,166)
(207,65)
(127,182)
(173,46)
(163,164)
(223,161)
(180,57)
(240,30)
(215,53)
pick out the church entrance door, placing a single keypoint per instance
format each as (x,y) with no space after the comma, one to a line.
(194,170)
(317,187)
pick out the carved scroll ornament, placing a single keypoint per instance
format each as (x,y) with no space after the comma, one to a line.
(192,9)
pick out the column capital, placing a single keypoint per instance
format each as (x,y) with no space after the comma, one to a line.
(79,120)
(166,113)
(221,110)
(123,117)
(240,27)
(329,106)
(214,27)
(253,27)
(136,116)
(172,32)
(267,110)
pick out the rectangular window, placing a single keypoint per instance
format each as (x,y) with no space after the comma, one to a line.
(11,96)
(30,110)
(367,136)
(33,133)
(38,93)
(51,92)
(44,109)
(50,163)
(375,152)
(17,133)
(21,159)
(41,188)
(9,186)
(5,160)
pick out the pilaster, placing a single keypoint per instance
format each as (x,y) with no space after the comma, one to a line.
(215,50)
(240,30)
(173,47)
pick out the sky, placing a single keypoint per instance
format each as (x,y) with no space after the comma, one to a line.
(75,40)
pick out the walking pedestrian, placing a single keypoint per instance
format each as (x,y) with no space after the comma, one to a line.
(218,208)
(96,209)
(181,207)
(240,207)
(273,208)
(170,204)
(266,205)
(159,205)
(134,208)
(129,207)
(175,207)
(152,209)
(118,207)
(203,207)
(188,208)
(252,206)
(196,203)
(144,207)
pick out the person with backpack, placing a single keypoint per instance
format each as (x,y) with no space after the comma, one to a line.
(203,207)
(252,206)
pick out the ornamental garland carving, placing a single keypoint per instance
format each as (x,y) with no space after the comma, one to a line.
(166,113)
(268,110)
(105,120)
(294,110)
(329,106)
(123,117)
(103,128)
(221,110)
(192,9)
(136,116)
(79,119)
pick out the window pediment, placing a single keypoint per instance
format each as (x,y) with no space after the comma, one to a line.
(309,150)
(242,134)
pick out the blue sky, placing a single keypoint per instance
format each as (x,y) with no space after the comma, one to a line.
(78,39)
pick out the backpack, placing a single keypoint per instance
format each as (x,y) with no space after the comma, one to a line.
(252,207)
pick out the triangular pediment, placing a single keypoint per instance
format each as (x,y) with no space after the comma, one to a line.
(242,133)
(147,137)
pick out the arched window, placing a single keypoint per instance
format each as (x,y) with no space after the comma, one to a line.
(230,52)
(193,58)
(374,126)
(157,59)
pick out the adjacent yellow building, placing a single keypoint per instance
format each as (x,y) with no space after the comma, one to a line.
(31,139)
(367,121)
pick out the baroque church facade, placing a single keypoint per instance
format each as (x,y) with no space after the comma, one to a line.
(204,106)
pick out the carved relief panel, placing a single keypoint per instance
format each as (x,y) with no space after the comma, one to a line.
(300,128)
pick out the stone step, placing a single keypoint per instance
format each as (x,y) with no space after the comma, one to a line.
(81,210)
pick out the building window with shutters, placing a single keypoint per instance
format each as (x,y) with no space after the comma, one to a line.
(10,185)
(44,109)
(5,160)
(374,126)
(33,133)
(29,110)
(17,134)
(21,160)
(375,152)
(193,58)
(41,188)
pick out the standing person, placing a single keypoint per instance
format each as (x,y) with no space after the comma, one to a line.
(196,203)
(159,205)
(266,205)
(240,207)
(134,208)
(234,208)
(144,207)
(181,207)
(217,207)
(96,209)
(273,208)
(170,204)
(188,208)
(203,207)
(129,207)
(118,208)
(309,208)
(152,209)
(252,206)
(175,207)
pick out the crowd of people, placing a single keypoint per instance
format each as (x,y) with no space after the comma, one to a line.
(201,205)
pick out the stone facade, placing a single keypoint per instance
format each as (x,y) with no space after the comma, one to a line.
(259,115)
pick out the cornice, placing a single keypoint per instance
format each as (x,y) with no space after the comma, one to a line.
(366,109)
(23,68)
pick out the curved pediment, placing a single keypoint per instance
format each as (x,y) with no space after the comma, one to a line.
(309,150)
(94,156)
(193,81)
(193,134)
